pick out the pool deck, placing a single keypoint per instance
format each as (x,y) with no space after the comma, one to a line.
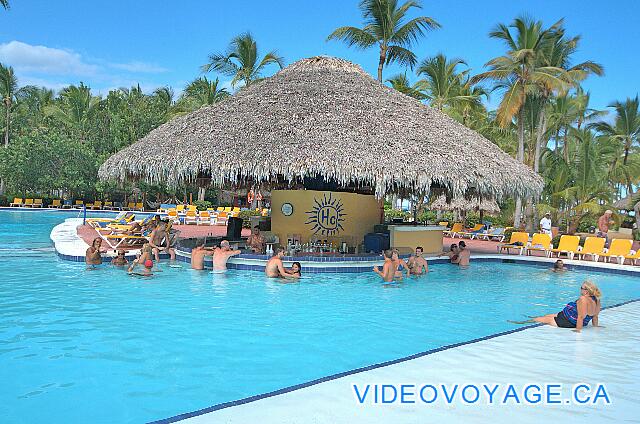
(539,355)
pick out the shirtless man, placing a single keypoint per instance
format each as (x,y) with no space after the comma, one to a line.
(255,241)
(198,254)
(120,259)
(221,255)
(159,241)
(388,269)
(418,264)
(274,268)
(464,255)
(92,256)
(604,222)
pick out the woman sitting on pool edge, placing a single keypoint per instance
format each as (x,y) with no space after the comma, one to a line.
(577,314)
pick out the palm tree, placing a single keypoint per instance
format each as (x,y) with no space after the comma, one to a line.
(8,89)
(5,4)
(76,107)
(205,92)
(241,60)
(401,83)
(626,129)
(386,25)
(31,101)
(520,73)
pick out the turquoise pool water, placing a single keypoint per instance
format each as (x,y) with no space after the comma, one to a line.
(100,346)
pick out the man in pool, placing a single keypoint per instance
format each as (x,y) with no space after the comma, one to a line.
(464,255)
(275,268)
(558,266)
(159,241)
(198,254)
(120,259)
(452,253)
(221,255)
(93,255)
(388,269)
(417,264)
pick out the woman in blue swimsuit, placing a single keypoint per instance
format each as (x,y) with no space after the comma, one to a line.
(577,314)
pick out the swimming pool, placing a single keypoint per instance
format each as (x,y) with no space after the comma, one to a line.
(101,346)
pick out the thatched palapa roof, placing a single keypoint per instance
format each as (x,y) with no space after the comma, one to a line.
(463,204)
(626,203)
(324,117)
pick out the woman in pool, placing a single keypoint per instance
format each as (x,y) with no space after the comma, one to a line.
(295,270)
(577,314)
(120,259)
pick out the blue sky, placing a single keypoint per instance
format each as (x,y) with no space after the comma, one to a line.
(156,43)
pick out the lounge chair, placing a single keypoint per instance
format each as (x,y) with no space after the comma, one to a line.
(180,209)
(78,204)
(172,214)
(220,209)
(66,204)
(127,240)
(540,242)
(443,223)
(17,202)
(164,207)
(192,208)
(207,218)
(473,232)
(265,212)
(518,241)
(28,203)
(191,217)
(618,249)
(593,246)
(568,245)
(55,204)
(496,234)
(108,206)
(139,206)
(97,205)
(131,206)
(634,257)
(223,218)
(37,203)
(457,228)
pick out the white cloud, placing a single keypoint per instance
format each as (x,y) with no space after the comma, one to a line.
(25,57)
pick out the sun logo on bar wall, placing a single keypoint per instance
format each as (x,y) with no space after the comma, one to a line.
(327,216)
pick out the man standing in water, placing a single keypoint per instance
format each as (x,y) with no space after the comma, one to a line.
(221,255)
(418,264)
(159,241)
(388,269)
(198,254)
(274,267)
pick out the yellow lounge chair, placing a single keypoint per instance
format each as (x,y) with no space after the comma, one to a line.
(172,214)
(97,205)
(207,218)
(28,203)
(220,209)
(88,205)
(180,208)
(265,212)
(593,246)
(540,242)
(108,206)
(457,228)
(124,239)
(471,233)
(140,206)
(443,223)
(516,237)
(618,249)
(17,202)
(634,258)
(227,209)
(37,203)
(191,217)
(55,203)
(568,245)
(78,204)
(192,208)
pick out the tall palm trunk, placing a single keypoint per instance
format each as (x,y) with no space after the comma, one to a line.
(6,138)
(517,216)
(381,60)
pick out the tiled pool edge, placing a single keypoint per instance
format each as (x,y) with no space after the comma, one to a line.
(336,376)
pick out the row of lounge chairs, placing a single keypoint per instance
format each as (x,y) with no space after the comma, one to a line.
(594,247)
(78,204)
(189,214)
(478,231)
(27,203)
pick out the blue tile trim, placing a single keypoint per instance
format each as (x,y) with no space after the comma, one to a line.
(346,373)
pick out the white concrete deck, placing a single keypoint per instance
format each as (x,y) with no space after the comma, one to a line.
(542,355)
